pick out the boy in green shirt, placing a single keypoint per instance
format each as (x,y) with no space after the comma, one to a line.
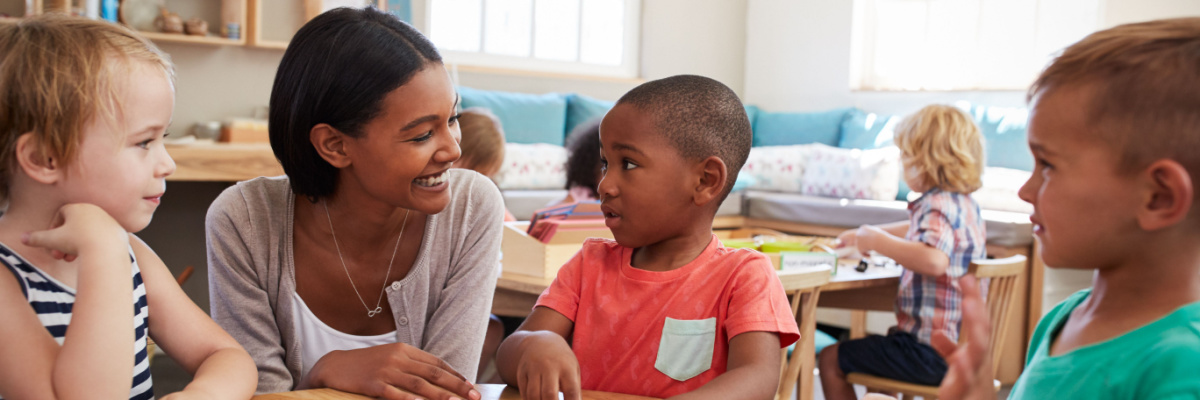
(1115,130)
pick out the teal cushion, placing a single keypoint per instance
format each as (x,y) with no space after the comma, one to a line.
(821,341)
(788,128)
(526,118)
(1004,135)
(751,113)
(862,130)
(581,109)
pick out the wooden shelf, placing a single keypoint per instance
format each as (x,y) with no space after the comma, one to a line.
(181,38)
(222,162)
(271,44)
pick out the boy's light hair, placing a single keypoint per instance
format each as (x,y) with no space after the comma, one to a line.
(57,73)
(482,141)
(1145,82)
(946,148)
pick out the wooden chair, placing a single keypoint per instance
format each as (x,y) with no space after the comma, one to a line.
(1003,274)
(804,287)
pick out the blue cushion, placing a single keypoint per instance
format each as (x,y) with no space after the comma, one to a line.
(783,128)
(581,109)
(751,113)
(821,340)
(1004,134)
(526,118)
(866,131)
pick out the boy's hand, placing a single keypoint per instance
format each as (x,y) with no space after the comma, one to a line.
(548,366)
(867,237)
(80,229)
(970,365)
(392,371)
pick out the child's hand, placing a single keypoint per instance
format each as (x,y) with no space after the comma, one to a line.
(547,367)
(391,371)
(847,238)
(867,237)
(80,229)
(970,365)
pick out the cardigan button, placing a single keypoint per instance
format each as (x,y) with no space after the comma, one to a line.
(396,285)
(403,321)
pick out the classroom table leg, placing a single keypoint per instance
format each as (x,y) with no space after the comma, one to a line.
(858,324)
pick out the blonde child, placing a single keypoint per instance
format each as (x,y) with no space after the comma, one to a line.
(482,146)
(942,153)
(1115,132)
(664,310)
(86,106)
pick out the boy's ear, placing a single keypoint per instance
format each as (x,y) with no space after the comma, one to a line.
(1170,195)
(35,163)
(330,144)
(712,173)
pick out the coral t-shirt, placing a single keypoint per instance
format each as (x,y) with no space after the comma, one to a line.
(660,334)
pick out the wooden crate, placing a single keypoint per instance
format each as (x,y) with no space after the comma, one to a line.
(527,256)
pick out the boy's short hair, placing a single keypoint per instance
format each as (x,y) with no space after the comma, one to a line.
(337,70)
(945,146)
(57,74)
(583,157)
(700,116)
(1146,82)
(482,141)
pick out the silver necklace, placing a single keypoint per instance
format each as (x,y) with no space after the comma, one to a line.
(378,309)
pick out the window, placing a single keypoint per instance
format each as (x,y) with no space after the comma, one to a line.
(962,44)
(593,37)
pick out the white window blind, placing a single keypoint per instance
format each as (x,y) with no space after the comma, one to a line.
(591,37)
(962,44)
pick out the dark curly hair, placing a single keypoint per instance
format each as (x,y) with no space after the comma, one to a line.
(583,163)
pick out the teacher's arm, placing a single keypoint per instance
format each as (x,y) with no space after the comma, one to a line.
(238,301)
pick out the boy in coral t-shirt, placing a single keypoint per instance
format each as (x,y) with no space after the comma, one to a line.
(664,310)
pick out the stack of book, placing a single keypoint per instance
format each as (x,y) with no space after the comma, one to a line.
(578,218)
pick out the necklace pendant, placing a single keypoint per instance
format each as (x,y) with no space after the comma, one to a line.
(371,313)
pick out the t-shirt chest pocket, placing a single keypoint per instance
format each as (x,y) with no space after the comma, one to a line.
(686,348)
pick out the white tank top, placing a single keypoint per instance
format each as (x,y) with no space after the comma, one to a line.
(317,339)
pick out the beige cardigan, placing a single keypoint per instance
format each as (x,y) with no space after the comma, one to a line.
(441,307)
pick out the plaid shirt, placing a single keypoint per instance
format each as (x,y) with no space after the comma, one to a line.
(948,222)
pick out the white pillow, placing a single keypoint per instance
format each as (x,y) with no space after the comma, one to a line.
(999,191)
(776,168)
(852,173)
(533,166)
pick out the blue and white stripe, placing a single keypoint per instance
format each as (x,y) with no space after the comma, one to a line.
(53,301)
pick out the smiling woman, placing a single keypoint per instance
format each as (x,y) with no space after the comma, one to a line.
(364,121)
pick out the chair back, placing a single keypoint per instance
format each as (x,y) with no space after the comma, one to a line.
(1002,275)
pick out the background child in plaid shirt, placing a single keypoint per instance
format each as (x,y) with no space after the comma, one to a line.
(942,152)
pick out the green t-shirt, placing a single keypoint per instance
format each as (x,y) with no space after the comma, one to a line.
(1160,360)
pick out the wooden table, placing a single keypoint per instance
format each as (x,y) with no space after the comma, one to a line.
(489,392)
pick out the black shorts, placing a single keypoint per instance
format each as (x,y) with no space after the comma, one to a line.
(899,356)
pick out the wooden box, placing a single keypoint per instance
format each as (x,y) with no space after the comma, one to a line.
(525,255)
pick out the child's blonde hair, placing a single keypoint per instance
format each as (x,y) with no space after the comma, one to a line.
(1146,82)
(482,141)
(945,147)
(57,73)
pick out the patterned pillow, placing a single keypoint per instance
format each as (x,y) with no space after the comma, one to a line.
(533,166)
(776,168)
(852,173)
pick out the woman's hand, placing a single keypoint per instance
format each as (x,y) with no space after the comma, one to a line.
(548,366)
(970,365)
(80,229)
(392,371)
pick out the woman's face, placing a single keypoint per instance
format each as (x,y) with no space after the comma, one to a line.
(403,154)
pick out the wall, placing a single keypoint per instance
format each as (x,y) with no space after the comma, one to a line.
(215,83)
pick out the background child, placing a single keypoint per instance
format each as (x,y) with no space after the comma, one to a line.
(1115,131)
(482,147)
(664,310)
(86,106)
(942,153)
(583,163)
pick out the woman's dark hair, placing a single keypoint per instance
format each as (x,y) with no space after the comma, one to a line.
(583,161)
(337,70)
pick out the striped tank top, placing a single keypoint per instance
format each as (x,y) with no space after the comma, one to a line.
(52,301)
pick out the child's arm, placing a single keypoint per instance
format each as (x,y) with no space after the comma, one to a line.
(752,371)
(849,237)
(538,359)
(221,369)
(96,359)
(916,256)
(969,375)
